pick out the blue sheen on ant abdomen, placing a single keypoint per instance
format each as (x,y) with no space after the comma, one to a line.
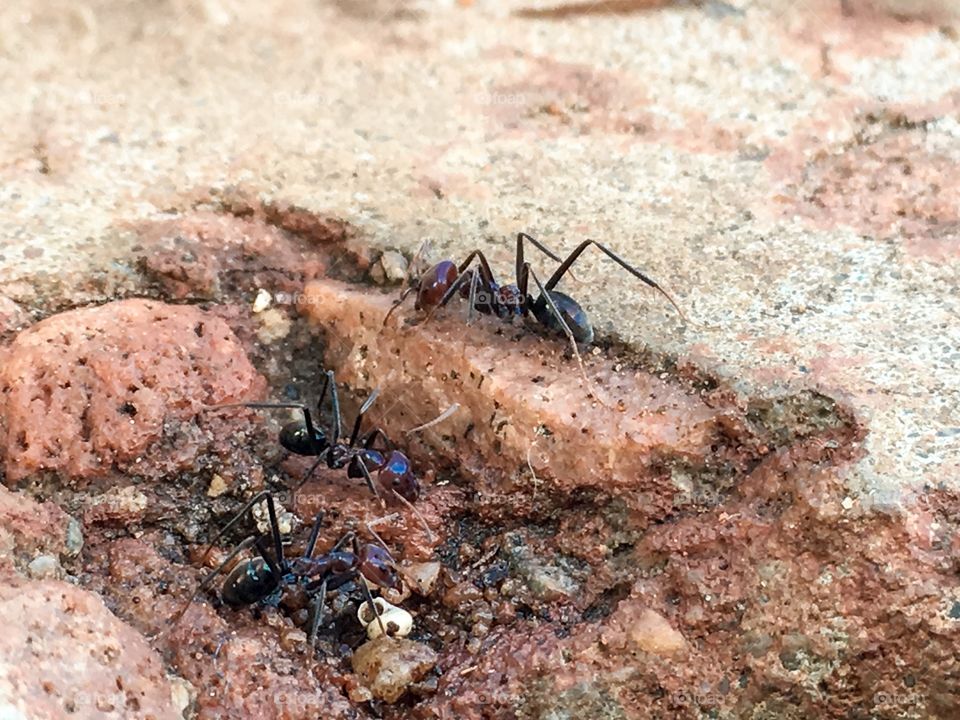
(574,315)
(249,582)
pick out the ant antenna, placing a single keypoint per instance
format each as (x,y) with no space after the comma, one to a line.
(438,419)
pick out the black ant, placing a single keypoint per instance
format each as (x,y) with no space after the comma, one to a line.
(553,309)
(394,472)
(264,579)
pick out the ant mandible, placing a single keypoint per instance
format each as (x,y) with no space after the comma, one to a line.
(553,309)
(264,579)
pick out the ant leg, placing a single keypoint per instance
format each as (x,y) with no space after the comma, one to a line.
(373,606)
(375,535)
(335,401)
(572,257)
(486,276)
(371,437)
(474,281)
(366,590)
(360,413)
(413,509)
(281,563)
(316,463)
(537,244)
(205,583)
(275,532)
(447,296)
(236,518)
(307,420)
(545,294)
(317,605)
(314,534)
(277,570)
(348,537)
(323,393)
(370,483)
(397,303)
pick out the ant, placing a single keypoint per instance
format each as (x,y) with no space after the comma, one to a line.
(264,579)
(394,472)
(555,310)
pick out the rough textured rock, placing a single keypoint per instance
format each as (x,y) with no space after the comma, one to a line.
(65,654)
(12,317)
(29,529)
(116,387)
(657,441)
(783,168)
(388,666)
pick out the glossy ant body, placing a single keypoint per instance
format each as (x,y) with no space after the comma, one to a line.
(359,456)
(265,578)
(552,309)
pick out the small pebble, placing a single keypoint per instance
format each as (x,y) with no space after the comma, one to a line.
(424,575)
(217,487)
(274,326)
(181,693)
(74,537)
(44,566)
(392,267)
(262,301)
(389,666)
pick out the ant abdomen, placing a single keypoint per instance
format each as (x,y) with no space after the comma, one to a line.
(434,283)
(396,475)
(249,582)
(296,438)
(570,311)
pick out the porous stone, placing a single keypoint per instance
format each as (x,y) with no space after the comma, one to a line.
(66,654)
(116,386)
(388,666)
(37,529)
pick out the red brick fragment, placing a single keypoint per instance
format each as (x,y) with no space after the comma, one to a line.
(89,391)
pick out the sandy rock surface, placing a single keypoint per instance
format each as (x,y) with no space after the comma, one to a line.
(761,518)
(65,653)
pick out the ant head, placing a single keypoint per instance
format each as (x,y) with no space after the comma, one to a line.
(396,475)
(377,566)
(434,283)
(295,438)
(573,315)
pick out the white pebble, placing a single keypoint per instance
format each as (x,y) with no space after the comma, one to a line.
(395,620)
(262,301)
